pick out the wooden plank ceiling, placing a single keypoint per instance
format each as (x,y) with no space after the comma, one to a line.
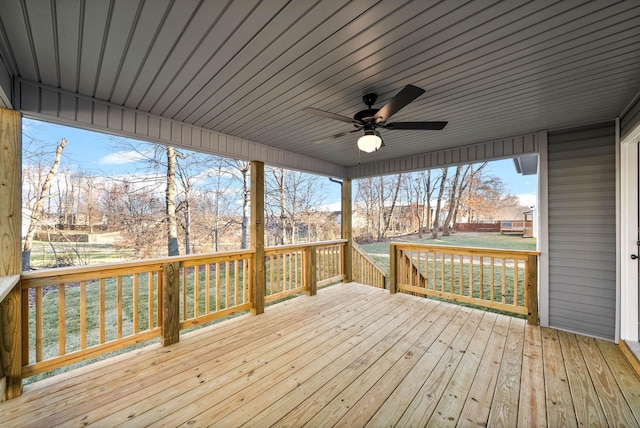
(247,68)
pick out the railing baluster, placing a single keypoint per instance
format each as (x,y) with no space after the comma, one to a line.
(61,320)
(134,304)
(504,280)
(493,279)
(515,281)
(218,286)
(150,299)
(207,285)
(226,285)
(119,303)
(102,310)
(196,290)
(83,314)
(39,327)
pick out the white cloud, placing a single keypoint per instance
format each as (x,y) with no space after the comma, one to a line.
(527,199)
(123,157)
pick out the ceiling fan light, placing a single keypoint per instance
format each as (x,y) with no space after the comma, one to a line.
(369,142)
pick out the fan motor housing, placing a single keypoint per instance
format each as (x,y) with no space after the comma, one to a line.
(365,116)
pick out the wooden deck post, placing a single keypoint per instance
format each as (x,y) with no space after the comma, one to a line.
(10,255)
(310,270)
(532,291)
(393,277)
(257,237)
(170,303)
(347,231)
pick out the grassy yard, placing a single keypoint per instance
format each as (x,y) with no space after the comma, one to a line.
(379,251)
(75,253)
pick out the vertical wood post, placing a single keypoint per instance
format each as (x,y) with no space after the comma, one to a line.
(532,291)
(10,256)
(393,272)
(257,237)
(310,270)
(347,231)
(170,303)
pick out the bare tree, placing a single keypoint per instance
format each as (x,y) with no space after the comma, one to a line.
(38,206)
(170,204)
(436,221)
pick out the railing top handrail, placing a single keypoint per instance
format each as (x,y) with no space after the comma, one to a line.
(72,270)
(305,245)
(475,250)
(6,285)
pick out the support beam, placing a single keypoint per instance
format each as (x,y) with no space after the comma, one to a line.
(170,303)
(311,284)
(393,268)
(257,237)
(10,258)
(347,230)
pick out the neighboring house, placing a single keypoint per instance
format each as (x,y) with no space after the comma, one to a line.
(555,82)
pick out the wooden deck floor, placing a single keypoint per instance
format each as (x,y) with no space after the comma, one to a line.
(350,356)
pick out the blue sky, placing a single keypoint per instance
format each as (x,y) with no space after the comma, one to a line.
(90,151)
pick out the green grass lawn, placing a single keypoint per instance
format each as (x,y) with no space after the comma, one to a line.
(75,253)
(379,251)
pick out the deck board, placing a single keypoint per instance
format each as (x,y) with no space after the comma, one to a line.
(350,356)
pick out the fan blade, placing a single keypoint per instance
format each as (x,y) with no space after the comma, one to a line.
(333,137)
(427,126)
(327,114)
(402,98)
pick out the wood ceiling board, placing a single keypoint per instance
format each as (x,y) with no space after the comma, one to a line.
(122,23)
(178,17)
(67,15)
(15,27)
(44,41)
(201,23)
(353,79)
(230,36)
(94,30)
(290,87)
(143,36)
(257,54)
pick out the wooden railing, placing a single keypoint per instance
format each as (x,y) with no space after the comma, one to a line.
(64,311)
(500,279)
(365,270)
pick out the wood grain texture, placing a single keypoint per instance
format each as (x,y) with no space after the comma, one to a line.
(10,256)
(170,304)
(352,355)
(259,282)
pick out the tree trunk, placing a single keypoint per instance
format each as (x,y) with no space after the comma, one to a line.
(36,213)
(246,196)
(187,227)
(388,218)
(453,192)
(170,196)
(436,220)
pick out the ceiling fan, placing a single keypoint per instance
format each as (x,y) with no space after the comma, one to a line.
(370,119)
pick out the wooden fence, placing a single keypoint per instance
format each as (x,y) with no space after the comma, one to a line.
(500,279)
